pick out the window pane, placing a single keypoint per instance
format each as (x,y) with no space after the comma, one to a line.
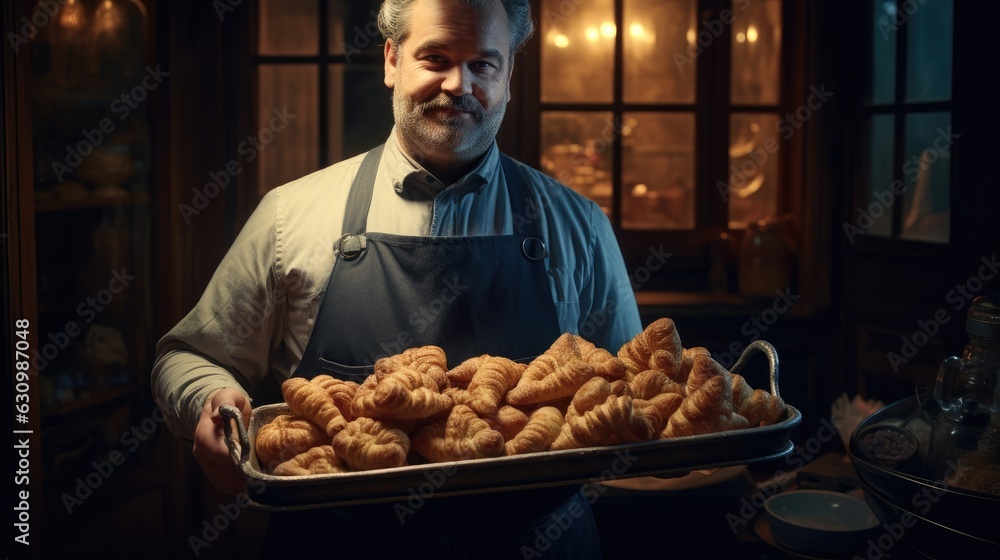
(577,151)
(657,32)
(754,162)
(874,217)
(287,147)
(927,174)
(289,27)
(883,85)
(928,50)
(658,171)
(756,53)
(578,46)
(360,110)
(353,29)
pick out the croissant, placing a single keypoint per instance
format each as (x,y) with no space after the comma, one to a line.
(659,408)
(429,360)
(687,362)
(758,406)
(342,392)
(317,460)
(461,375)
(404,394)
(463,435)
(703,369)
(605,363)
(614,421)
(507,420)
(707,410)
(662,335)
(285,437)
(542,429)
(368,444)
(491,382)
(593,393)
(549,380)
(652,382)
(311,401)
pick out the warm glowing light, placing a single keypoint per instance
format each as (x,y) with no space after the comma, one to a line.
(608,29)
(741,37)
(560,41)
(640,190)
(752,34)
(72,15)
(754,127)
(637,31)
(592,34)
(690,36)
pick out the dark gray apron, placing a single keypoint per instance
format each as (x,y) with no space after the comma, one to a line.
(470,296)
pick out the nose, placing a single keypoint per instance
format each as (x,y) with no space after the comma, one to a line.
(458,81)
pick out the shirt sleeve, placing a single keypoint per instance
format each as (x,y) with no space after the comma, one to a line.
(227,338)
(614,315)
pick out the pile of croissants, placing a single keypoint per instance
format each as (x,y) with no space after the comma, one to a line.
(414,409)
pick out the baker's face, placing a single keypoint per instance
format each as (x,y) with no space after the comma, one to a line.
(450,79)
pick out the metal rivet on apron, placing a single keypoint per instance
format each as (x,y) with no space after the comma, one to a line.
(350,246)
(534,248)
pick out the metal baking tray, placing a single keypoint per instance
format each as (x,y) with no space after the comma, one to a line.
(662,458)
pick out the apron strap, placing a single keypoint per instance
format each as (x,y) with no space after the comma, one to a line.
(360,198)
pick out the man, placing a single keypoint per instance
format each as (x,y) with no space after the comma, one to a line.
(435,238)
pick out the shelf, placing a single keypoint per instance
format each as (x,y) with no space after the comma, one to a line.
(58,205)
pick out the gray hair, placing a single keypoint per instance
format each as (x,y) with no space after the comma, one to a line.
(393,20)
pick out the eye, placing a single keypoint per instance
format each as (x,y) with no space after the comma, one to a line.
(484,65)
(434,58)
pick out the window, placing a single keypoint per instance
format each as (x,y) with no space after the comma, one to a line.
(321,61)
(906,163)
(666,113)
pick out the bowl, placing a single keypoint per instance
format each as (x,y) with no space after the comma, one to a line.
(820,521)
(926,514)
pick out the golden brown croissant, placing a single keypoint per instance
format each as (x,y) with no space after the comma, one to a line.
(707,410)
(491,382)
(461,375)
(342,392)
(368,444)
(593,393)
(703,369)
(542,429)
(285,437)
(761,408)
(549,380)
(687,362)
(404,394)
(614,421)
(507,420)
(312,402)
(463,435)
(658,335)
(659,408)
(652,382)
(429,360)
(317,460)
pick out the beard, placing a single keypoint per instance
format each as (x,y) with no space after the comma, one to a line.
(442,138)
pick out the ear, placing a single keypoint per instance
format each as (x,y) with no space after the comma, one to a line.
(391,63)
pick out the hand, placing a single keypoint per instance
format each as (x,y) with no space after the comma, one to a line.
(210,448)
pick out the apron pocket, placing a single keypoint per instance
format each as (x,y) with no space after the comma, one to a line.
(348,373)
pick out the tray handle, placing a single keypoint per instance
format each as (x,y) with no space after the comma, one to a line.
(772,359)
(239,451)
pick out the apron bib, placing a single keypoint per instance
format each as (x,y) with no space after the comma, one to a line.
(468,295)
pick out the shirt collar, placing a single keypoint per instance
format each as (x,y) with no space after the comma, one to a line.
(411,181)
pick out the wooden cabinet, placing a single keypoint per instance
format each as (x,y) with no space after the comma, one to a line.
(81,195)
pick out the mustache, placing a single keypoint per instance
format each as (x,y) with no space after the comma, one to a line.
(466,103)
